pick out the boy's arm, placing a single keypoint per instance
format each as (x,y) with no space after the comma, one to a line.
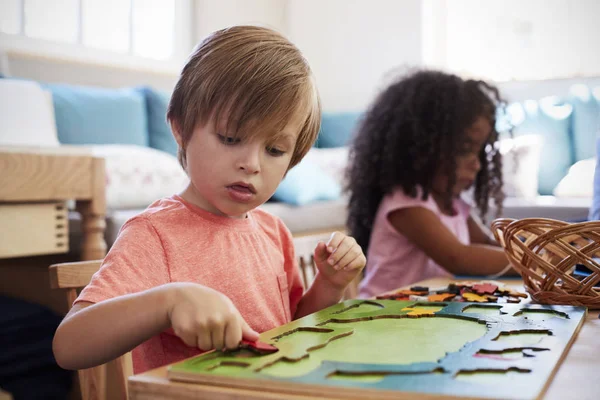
(320,295)
(423,227)
(338,261)
(92,334)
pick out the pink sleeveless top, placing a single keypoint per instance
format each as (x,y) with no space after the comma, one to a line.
(393,260)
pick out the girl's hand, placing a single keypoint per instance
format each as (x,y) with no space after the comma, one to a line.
(207,319)
(339,260)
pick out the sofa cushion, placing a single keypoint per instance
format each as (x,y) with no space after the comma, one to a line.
(579,181)
(595,207)
(337,129)
(307,183)
(520,165)
(27,114)
(90,115)
(314,217)
(159,132)
(586,119)
(549,118)
(136,176)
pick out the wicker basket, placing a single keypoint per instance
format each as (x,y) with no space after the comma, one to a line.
(545,252)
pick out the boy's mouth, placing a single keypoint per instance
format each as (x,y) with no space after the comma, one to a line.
(243,187)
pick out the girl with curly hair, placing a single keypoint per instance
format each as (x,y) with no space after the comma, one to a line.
(428,138)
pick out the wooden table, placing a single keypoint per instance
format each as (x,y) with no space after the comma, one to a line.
(576,378)
(35,185)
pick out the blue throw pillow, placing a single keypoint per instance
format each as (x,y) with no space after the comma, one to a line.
(159,131)
(549,118)
(337,129)
(90,115)
(307,183)
(586,120)
(595,208)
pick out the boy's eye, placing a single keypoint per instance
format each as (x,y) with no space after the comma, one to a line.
(275,151)
(228,140)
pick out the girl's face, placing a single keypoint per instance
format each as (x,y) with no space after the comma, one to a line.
(467,160)
(230,176)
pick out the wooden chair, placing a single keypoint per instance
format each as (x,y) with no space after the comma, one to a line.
(108,381)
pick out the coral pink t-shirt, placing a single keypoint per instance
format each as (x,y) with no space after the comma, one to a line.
(394,261)
(250,260)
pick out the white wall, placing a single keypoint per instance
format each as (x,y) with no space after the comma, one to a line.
(353,47)
(352,44)
(211,15)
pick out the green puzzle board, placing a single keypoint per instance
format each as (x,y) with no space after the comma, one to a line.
(386,348)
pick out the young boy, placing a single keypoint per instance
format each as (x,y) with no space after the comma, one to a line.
(205,268)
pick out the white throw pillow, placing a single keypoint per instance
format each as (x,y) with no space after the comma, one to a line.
(27,114)
(136,176)
(579,181)
(520,165)
(332,160)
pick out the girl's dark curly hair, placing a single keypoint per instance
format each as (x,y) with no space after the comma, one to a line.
(415,127)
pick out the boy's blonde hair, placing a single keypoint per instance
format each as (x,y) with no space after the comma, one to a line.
(253,78)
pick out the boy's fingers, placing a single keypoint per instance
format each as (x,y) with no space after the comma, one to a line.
(247,332)
(188,338)
(321,252)
(203,340)
(343,248)
(358,263)
(216,336)
(233,334)
(345,261)
(334,241)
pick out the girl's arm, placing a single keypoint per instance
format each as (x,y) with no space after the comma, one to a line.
(92,334)
(479,233)
(423,227)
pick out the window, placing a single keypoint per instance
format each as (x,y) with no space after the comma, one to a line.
(135,29)
(513,39)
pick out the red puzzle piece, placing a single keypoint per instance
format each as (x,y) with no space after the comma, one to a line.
(258,347)
(485,288)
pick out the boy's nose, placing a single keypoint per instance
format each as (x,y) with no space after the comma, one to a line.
(249,160)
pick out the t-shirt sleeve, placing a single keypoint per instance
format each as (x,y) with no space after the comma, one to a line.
(295,285)
(136,262)
(399,200)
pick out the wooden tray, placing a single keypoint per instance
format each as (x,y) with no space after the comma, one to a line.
(388,349)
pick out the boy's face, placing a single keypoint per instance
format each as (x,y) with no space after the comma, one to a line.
(231,176)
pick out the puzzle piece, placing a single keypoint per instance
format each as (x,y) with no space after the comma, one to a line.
(507,291)
(258,347)
(485,288)
(474,297)
(441,297)
(419,312)
(413,292)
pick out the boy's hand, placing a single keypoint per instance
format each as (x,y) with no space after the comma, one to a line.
(339,260)
(207,319)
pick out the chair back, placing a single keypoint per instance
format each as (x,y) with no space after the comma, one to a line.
(108,381)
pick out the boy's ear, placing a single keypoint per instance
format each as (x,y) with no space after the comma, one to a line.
(176,132)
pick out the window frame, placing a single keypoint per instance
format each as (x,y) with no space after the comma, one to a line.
(21,45)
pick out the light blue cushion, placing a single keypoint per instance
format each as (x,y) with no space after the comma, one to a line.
(549,118)
(586,120)
(595,208)
(307,183)
(90,115)
(159,131)
(337,129)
